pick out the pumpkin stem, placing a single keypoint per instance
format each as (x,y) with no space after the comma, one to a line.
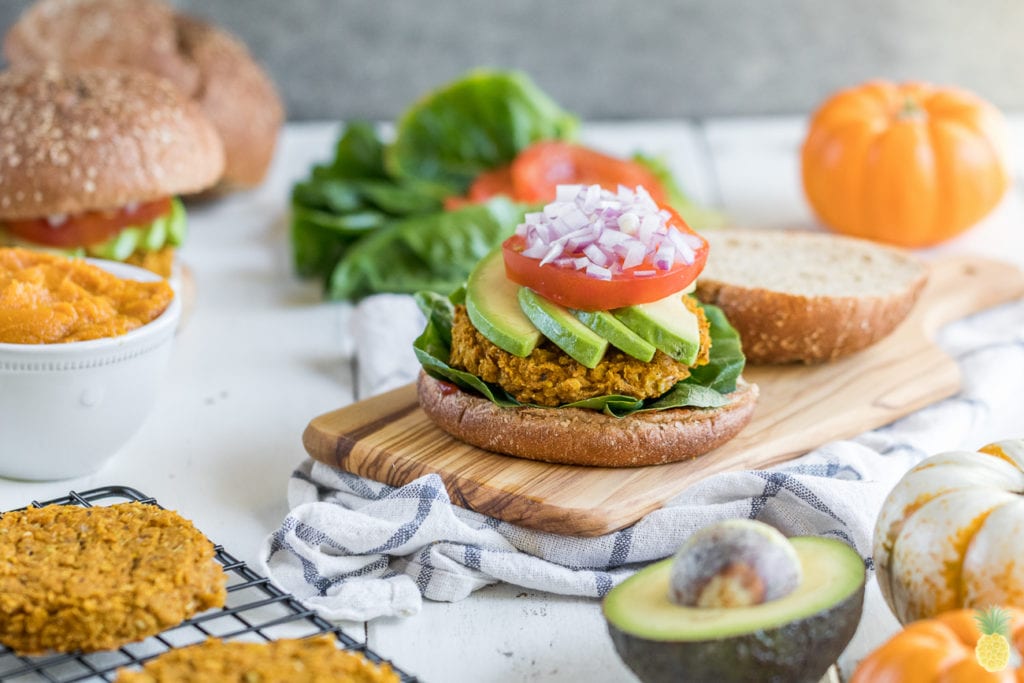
(910,109)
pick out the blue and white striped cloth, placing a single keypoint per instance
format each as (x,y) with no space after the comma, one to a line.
(356,549)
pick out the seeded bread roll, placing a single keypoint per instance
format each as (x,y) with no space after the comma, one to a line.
(98,139)
(807,297)
(577,436)
(206,63)
(80,32)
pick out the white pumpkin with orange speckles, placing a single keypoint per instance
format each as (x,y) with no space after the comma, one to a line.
(951,533)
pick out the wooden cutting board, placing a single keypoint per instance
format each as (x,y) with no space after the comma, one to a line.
(388,438)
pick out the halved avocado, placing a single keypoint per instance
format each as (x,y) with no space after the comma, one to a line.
(791,639)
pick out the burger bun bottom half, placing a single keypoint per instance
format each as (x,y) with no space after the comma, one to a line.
(578,436)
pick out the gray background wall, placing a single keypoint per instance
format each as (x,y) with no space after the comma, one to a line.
(607,59)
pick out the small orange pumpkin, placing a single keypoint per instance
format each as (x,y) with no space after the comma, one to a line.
(910,164)
(939,649)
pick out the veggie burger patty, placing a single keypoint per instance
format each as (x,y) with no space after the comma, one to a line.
(550,377)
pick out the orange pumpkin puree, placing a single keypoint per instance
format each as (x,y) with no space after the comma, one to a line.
(48,299)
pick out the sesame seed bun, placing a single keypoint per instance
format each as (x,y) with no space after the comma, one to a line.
(207,64)
(576,436)
(74,141)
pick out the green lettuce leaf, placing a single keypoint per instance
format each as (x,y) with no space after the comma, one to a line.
(704,388)
(431,252)
(359,153)
(472,125)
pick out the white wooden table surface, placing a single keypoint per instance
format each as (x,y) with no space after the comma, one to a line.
(262,354)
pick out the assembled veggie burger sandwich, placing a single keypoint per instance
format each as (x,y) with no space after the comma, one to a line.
(578,341)
(91,162)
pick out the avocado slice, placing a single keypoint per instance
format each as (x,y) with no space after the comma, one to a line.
(618,335)
(492,304)
(791,639)
(559,325)
(118,247)
(155,236)
(169,229)
(177,223)
(667,324)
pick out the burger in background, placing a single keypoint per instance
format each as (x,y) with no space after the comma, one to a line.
(92,162)
(205,63)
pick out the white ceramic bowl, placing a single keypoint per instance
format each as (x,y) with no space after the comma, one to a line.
(65,409)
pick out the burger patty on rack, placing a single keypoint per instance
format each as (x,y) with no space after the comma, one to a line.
(76,578)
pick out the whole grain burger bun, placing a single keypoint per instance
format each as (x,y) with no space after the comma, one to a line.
(577,436)
(239,98)
(207,65)
(798,296)
(134,34)
(90,139)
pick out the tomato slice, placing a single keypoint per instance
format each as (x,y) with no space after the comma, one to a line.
(497,181)
(490,183)
(575,289)
(91,227)
(538,169)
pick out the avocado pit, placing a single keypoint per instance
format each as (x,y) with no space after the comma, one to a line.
(737,563)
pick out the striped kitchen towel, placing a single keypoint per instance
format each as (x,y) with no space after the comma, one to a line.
(356,549)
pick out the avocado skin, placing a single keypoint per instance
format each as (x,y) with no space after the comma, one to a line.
(797,652)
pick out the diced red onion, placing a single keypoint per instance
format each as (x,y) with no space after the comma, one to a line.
(629,223)
(596,256)
(56,220)
(683,250)
(567,193)
(554,251)
(635,254)
(605,233)
(536,250)
(664,257)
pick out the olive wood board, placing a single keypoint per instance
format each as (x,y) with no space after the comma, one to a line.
(387,438)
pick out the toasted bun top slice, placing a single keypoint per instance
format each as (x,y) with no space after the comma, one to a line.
(798,296)
(136,34)
(206,63)
(577,436)
(73,141)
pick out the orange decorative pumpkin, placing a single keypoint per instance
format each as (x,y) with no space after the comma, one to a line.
(911,164)
(938,650)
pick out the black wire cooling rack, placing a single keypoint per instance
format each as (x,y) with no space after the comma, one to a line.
(256,610)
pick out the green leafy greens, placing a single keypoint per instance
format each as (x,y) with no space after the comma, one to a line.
(434,251)
(706,387)
(372,219)
(475,124)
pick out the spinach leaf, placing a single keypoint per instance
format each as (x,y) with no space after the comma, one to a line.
(705,388)
(315,249)
(472,125)
(727,359)
(433,252)
(400,199)
(359,153)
